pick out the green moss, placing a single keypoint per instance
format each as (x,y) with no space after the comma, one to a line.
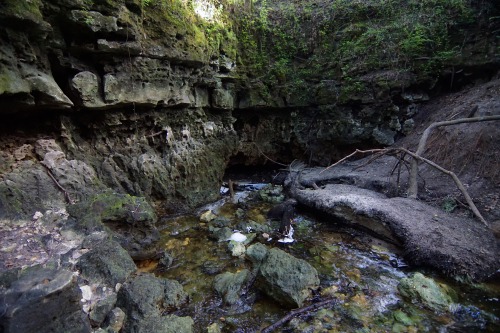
(289,43)
(113,206)
(202,38)
(23,9)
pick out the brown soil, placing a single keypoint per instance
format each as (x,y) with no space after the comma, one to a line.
(471,150)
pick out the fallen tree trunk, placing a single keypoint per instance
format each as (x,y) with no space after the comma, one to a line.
(417,158)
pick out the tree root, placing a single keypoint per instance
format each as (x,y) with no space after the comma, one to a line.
(413,186)
(391,151)
(59,186)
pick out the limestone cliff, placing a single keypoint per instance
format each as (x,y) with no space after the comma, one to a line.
(126,95)
(156,98)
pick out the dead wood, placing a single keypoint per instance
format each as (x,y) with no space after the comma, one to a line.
(231,188)
(458,183)
(297,312)
(413,185)
(59,186)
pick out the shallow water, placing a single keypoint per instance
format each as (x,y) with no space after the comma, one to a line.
(353,267)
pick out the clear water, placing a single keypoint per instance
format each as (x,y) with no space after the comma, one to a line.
(353,267)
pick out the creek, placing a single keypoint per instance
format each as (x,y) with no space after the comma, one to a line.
(361,271)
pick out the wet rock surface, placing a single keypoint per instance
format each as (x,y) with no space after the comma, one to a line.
(31,297)
(106,262)
(425,290)
(229,285)
(286,279)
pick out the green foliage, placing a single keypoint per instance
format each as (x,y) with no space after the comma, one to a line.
(22,8)
(290,43)
(449,204)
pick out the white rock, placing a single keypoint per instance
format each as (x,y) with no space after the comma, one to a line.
(37,215)
(286,240)
(237,237)
(86,293)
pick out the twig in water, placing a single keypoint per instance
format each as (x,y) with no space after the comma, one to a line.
(299,311)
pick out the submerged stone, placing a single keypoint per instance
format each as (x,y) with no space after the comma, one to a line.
(229,285)
(426,291)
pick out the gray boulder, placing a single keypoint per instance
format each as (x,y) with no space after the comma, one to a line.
(166,324)
(106,262)
(257,253)
(41,300)
(145,297)
(229,285)
(102,308)
(287,279)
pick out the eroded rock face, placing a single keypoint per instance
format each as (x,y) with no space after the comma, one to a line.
(42,300)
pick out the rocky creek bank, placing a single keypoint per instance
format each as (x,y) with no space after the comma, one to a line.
(457,246)
(116,113)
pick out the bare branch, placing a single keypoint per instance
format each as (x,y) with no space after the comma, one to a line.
(66,194)
(299,311)
(457,181)
(413,186)
(351,155)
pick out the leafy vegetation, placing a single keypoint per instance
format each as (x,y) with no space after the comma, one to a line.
(293,45)
(292,42)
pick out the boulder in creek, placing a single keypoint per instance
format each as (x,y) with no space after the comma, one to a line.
(287,279)
(229,285)
(165,324)
(41,300)
(426,291)
(145,298)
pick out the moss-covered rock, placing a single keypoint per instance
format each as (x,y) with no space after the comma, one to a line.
(229,285)
(426,291)
(286,279)
(107,262)
(145,297)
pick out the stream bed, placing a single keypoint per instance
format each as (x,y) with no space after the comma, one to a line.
(362,272)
